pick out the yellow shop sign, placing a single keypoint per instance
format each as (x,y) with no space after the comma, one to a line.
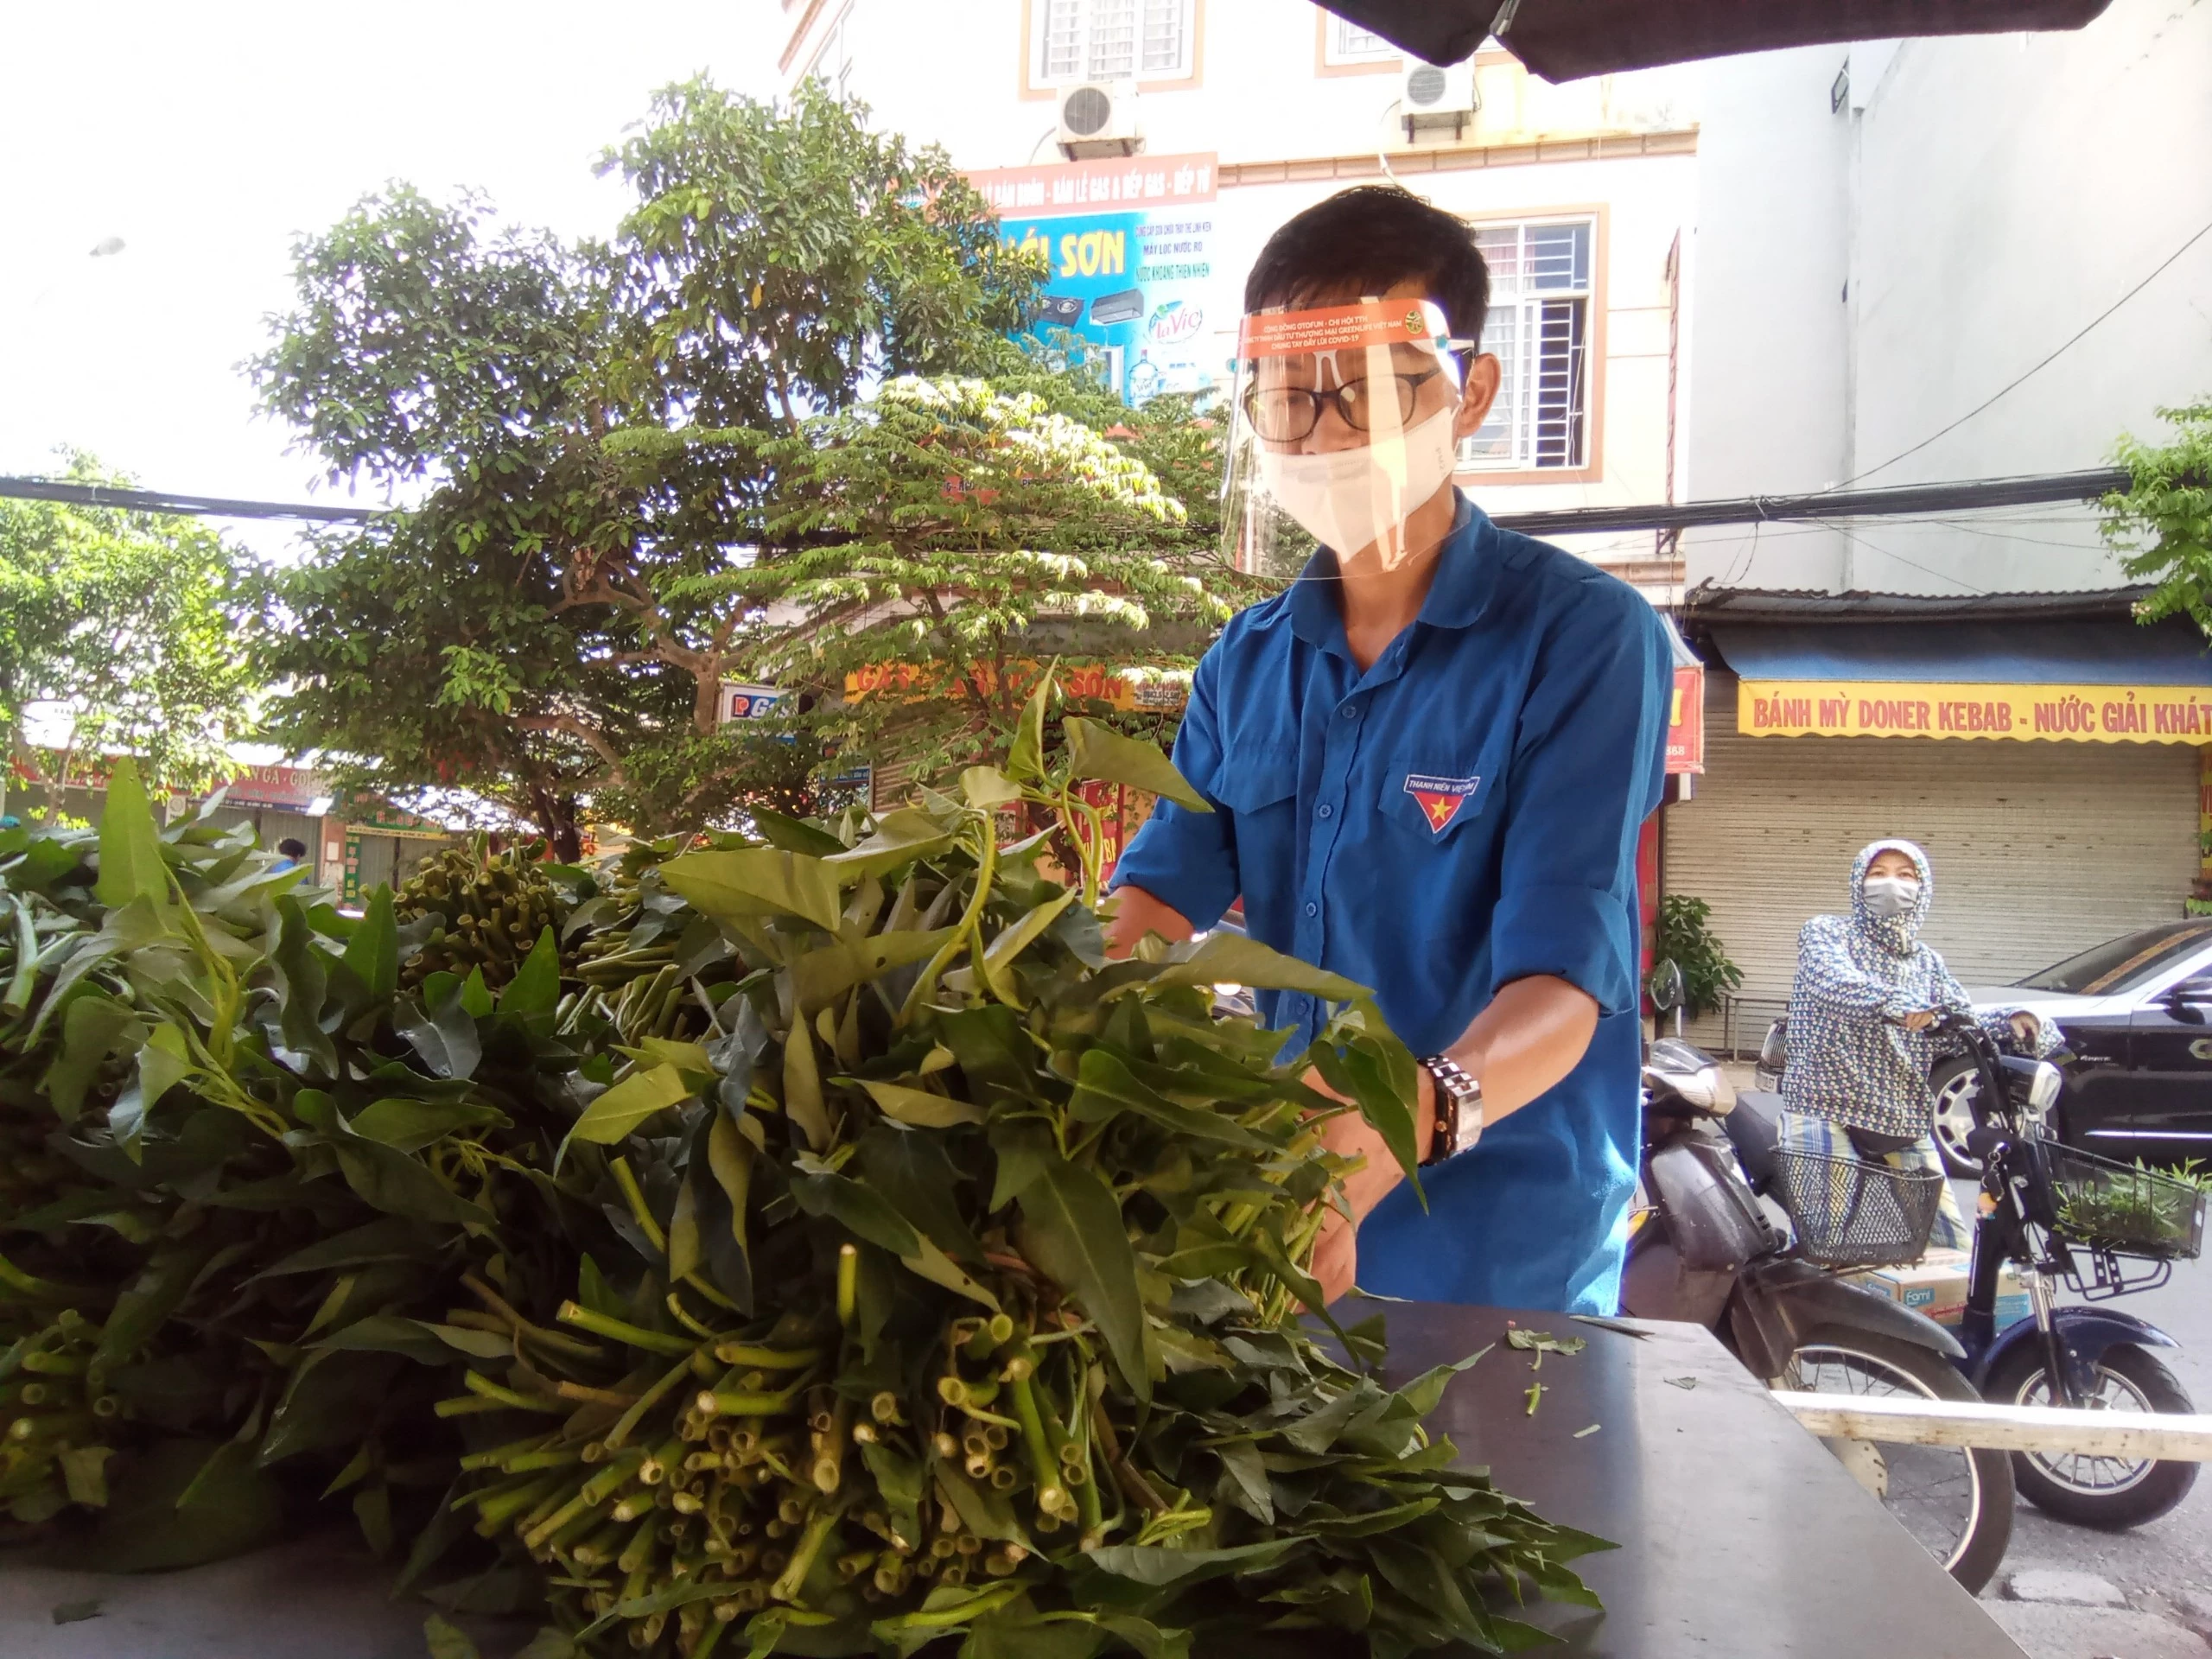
(2024,713)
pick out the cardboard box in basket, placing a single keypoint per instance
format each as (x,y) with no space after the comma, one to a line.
(1936,1286)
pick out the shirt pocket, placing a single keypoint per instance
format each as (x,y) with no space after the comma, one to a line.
(1435,805)
(1256,776)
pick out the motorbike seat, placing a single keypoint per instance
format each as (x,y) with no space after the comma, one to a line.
(1755,1129)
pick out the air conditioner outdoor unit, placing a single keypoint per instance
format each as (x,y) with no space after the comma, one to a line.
(1099,118)
(1436,95)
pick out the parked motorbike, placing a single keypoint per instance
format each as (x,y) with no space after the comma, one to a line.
(2061,1216)
(1703,1248)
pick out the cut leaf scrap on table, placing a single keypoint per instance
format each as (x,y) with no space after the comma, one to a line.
(795,1244)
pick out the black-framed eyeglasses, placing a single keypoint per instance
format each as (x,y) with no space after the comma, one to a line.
(1286,414)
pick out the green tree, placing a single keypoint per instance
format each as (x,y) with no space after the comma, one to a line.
(1685,937)
(963,531)
(2162,523)
(118,632)
(555,620)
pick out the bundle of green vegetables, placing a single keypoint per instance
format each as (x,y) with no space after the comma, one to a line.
(813,1245)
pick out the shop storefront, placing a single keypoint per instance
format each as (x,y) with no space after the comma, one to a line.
(2052,771)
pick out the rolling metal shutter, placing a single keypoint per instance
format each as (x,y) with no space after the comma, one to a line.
(2039,849)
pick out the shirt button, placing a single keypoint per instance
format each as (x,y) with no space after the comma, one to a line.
(1351,712)
(1323,810)
(1313,909)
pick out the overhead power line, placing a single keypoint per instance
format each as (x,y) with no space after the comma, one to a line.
(1898,501)
(201,506)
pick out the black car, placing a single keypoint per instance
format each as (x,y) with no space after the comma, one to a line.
(2136,1013)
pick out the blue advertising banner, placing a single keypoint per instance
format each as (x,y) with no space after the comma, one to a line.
(1130,245)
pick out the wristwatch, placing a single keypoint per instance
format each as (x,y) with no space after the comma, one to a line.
(1458,1109)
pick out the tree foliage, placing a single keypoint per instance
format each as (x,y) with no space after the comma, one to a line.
(2162,523)
(1685,937)
(600,434)
(117,632)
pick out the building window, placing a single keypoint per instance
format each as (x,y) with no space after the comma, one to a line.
(1350,43)
(1110,39)
(833,61)
(1539,330)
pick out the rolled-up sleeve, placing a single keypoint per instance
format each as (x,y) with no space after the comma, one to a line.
(1185,859)
(1589,761)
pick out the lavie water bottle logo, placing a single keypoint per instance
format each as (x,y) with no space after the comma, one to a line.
(1441,797)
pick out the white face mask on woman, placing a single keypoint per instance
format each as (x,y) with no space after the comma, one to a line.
(1891,895)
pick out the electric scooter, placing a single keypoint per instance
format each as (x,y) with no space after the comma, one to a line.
(1703,1248)
(2061,1216)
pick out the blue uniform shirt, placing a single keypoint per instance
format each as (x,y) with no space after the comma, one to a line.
(1463,814)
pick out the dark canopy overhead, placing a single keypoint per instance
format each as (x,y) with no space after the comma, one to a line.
(1562,39)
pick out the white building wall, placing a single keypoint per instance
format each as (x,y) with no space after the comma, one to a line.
(1999,192)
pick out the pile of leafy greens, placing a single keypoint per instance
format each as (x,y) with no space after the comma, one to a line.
(813,1245)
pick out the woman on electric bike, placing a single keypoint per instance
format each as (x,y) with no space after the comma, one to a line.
(1862,1018)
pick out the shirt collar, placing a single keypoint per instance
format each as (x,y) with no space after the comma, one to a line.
(1466,571)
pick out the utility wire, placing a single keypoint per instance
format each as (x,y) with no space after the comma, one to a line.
(2014,385)
(204,506)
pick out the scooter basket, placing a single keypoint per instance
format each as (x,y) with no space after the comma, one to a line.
(1850,1213)
(2123,1207)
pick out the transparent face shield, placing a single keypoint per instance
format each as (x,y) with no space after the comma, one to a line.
(1341,430)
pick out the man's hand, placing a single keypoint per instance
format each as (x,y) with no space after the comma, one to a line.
(1136,913)
(2027,1028)
(1335,1252)
(1918,1019)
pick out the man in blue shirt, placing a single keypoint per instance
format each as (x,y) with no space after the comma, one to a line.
(1429,760)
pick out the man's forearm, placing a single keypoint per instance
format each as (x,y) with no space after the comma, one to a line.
(1534,1033)
(1136,913)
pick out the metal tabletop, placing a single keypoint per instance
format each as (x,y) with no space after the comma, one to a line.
(1740,1535)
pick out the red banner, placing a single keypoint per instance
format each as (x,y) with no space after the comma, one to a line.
(1686,722)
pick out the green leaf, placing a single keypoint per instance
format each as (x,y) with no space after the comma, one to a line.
(918,1106)
(1098,751)
(730,1158)
(901,836)
(822,975)
(686,1247)
(861,1211)
(1235,959)
(303,985)
(94,1027)
(1155,1565)
(1024,756)
(443,1034)
(446,1640)
(373,951)
(1105,1087)
(536,987)
(1018,937)
(986,787)
(914,1173)
(1072,1230)
(793,835)
(931,1264)
(163,1062)
(411,1125)
(803,1088)
(148,1526)
(630,1103)
(130,847)
(755,881)
(476,995)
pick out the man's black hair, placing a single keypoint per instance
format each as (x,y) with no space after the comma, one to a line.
(292,849)
(1362,241)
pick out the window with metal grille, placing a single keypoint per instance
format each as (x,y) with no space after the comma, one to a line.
(1110,39)
(1539,330)
(1350,43)
(833,63)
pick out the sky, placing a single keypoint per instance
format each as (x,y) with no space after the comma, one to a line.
(205,138)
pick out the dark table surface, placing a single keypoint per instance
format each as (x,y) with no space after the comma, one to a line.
(1740,1535)
(1742,1538)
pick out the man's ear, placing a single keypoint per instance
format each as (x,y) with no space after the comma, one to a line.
(1484,375)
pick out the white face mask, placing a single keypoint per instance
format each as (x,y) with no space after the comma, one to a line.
(1346,498)
(1891,895)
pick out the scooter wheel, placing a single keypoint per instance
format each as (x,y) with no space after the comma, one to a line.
(2111,1493)
(1957,1504)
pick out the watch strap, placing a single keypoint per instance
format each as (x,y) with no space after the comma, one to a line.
(1459,1107)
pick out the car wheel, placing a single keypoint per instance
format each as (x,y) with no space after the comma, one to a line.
(1956,1084)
